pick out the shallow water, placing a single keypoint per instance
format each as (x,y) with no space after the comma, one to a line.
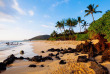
(26,47)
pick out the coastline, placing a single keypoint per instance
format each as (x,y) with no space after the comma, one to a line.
(52,67)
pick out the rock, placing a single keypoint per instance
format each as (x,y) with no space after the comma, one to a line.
(32,65)
(47,58)
(37,59)
(9,60)
(99,69)
(42,52)
(51,54)
(57,57)
(2,66)
(106,56)
(76,54)
(41,65)
(82,59)
(62,62)
(22,52)
(52,50)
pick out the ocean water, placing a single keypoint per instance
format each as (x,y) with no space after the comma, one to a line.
(6,50)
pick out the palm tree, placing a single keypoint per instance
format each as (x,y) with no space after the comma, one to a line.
(71,23)
(84,25)
(91,10)
(59,25)
(79,21)
(63,24)
(54,34)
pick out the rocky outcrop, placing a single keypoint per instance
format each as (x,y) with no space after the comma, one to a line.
(99,69)
(82,59)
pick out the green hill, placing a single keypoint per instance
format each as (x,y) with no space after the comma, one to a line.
(40,37)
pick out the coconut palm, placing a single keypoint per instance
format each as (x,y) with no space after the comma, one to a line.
(79,21)
(84,25)
(91,10)
(59,25)
(71,23)
(63,24)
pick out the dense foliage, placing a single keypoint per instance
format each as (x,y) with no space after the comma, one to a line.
(102,26)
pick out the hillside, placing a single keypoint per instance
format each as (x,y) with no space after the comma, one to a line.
(40,37)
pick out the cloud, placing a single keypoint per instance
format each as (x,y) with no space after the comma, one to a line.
(31,13)
(6,18)
(2,3)
(46,16)
(60,2)
(17,7)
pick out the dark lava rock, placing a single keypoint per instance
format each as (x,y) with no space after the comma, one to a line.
(2,66)
(62,62)
(51,54)
(47,58)
(52,49)
(9,60)
(57,57)
(106,56)
(22,52)
(37,59)
(76,54)
(42,52)
(82,59)
(41,65)
(32,65)
(99,69)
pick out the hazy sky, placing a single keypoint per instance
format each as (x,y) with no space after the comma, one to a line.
(23,19)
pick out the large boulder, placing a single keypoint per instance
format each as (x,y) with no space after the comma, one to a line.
(37,59)
(9,60)
(82,59)
(21,52)
(2,66)
(62,62)
(99,69)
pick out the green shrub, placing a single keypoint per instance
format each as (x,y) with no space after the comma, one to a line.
(102,26)
(82,37)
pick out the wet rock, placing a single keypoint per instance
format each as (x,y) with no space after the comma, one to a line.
(62,62)
(42,52)
(82,59)
(99,69)
(2,66)
(22,52)
(9,60)
(106,56)
(32,65)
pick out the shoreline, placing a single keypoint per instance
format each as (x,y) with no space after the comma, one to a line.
(51,67)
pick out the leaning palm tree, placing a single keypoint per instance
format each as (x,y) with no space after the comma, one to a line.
(79,21)
(63,24)
(91,10)
(84,25)
(59,25)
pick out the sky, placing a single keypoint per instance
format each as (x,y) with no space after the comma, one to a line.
(24,19)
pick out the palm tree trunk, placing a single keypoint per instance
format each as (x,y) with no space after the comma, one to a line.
(80,27)
(93,17)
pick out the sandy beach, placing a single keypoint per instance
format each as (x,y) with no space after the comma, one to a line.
(52,67)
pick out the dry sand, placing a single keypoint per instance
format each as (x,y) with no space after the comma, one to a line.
(52,67)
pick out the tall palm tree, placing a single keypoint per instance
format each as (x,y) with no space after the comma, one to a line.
(91,10)
(59,25)
(63,24)
(71,23)
(79,21)
(84,25)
